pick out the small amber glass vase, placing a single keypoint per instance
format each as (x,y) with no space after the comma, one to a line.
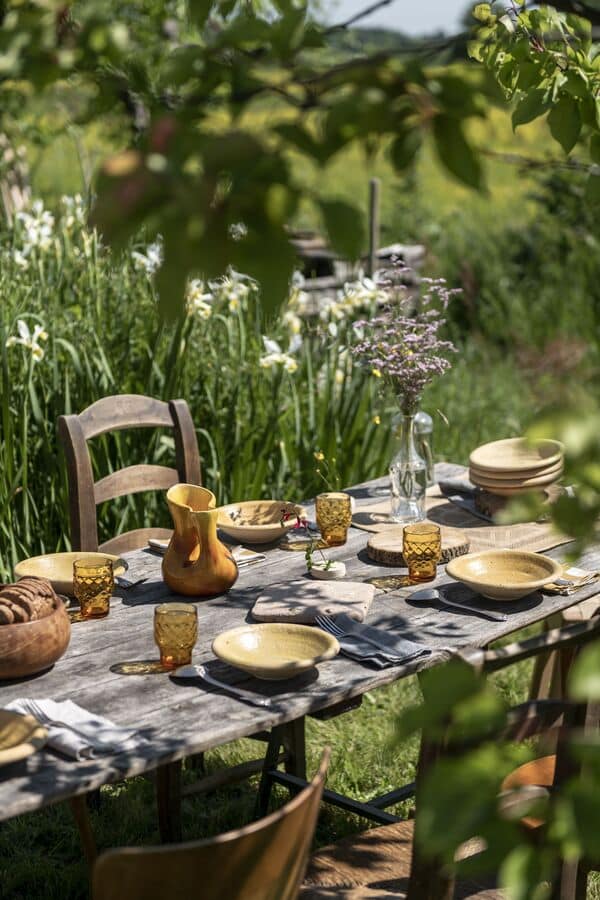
(175,632)
(93,586)
(422,550)
(334,517)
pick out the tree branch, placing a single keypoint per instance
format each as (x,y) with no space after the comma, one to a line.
(359,15)
(579,7)
(529,162)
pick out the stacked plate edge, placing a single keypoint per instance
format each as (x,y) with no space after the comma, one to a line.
(514,466)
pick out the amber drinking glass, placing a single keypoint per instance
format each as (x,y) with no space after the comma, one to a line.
(93,586)
(422,550)
(334,516)
(175,632)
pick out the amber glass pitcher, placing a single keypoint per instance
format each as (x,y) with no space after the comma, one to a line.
(196,562)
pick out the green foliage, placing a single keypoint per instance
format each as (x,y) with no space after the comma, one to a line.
(179,82)
(546,62)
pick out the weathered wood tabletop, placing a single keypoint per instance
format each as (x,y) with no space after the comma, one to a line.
(178,719)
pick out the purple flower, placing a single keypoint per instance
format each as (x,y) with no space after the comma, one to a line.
(405,347)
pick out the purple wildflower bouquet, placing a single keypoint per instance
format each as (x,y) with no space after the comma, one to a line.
(404,348)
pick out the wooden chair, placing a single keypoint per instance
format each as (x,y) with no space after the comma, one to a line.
(116,413)
(263,861)
(386,863)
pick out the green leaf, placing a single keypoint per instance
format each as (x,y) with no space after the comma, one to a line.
(345,227)
(200,11)
(565,123)
(593,189)
(523,871)
(584,680)
(404,149)
(595,148)
(534,104)
(456,153)
(482,12)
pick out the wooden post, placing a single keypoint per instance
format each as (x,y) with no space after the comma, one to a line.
(374,186)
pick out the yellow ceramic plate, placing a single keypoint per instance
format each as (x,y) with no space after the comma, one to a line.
(516,455)
(20,736)
(520,477)
(274,650)
(58,568)
(258,521)
(504,574)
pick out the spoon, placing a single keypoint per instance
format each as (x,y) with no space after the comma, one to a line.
(199,672)
(433,594)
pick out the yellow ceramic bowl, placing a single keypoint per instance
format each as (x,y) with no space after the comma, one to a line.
(274,650)
(58,568)
(258,521)
(504,574)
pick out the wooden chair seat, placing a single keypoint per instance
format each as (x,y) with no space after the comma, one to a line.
(375,864)
(538,773)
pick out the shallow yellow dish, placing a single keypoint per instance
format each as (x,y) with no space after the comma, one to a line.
(274,650)
(258,521)
(504,574)
(58,568)
(516,455)
(20,736)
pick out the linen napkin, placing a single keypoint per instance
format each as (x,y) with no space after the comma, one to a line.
(578,577)
(396,650)
(74,731)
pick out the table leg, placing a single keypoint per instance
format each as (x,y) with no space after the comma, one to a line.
(295,745)
(276,740)
(79,809)
(168,796)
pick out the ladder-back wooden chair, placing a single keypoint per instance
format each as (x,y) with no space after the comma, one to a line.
(386,863)
(263,861)
(124,411)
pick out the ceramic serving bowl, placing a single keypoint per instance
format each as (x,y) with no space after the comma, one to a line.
(516,455)
(504,574)
(258,521)
(20,736)
(57,568)
(274,650)
(30,647)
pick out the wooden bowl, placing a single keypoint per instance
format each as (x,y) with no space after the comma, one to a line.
(30,647)
(504,574)
(274,650)
(258,521)
(57,568)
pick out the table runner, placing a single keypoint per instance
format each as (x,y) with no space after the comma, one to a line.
(532,536)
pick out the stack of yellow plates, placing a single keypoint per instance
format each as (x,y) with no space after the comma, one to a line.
(514,466)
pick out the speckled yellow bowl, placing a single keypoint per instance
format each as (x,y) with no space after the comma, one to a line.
(274,650)
(504,574)
(258,521)
(57,568)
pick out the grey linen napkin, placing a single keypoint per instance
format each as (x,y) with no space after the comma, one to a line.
(396,650)
(74,731)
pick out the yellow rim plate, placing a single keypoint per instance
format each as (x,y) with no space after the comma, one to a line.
(20,736)
(58,568)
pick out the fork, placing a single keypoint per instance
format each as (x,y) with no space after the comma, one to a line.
(329,625)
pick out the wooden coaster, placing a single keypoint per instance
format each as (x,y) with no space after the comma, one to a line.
(386,547)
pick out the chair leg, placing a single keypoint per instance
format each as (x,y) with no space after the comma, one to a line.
(168,796)
(79,809)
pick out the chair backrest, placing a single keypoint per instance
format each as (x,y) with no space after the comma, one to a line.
(114,414)
(430,879)
(263,861)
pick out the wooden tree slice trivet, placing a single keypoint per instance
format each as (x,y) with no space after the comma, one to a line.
(386,546)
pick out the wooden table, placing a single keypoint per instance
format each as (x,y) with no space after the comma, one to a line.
(180,720)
